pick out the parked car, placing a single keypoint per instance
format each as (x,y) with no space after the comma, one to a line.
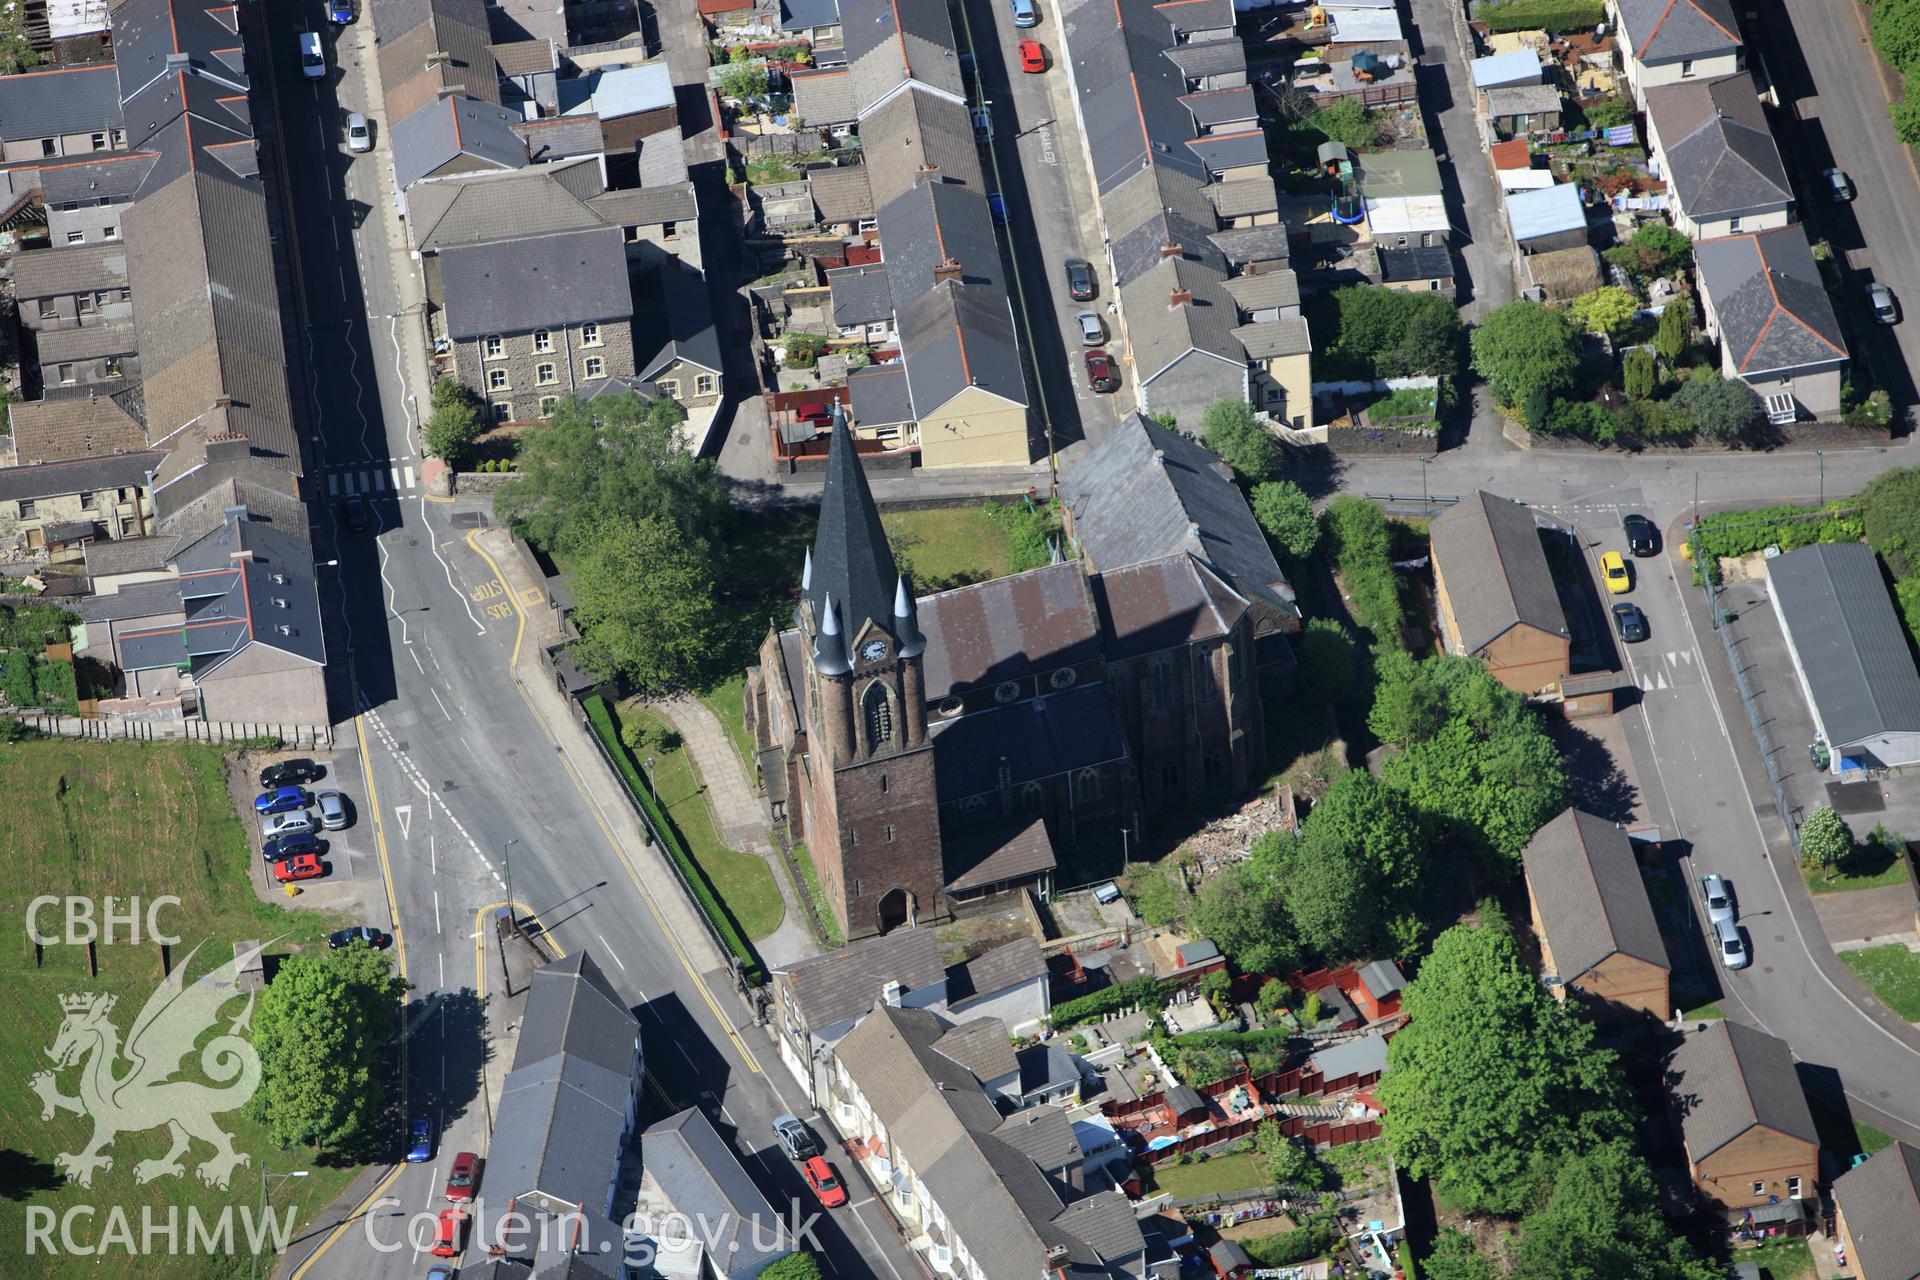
(1080,280)
(340,938)
(284,847)
(303,866)
(796,1139)
(333,810)
(1100,372)
(818,414)
(1839,185)
(1033,59)
(460,1181)
(1718,895)
(1733,949)
(297,823)
(1642,538)
(355,508)
(359,134)
(1630,622)
(1092,332)
(1026,13)
(1885,309)
(420,1140)
(313,57)
(1613,567)
(298,769)
(281,800)
(820,1177)
(440,1273)
(997,205)
(449,1233)
(340,12)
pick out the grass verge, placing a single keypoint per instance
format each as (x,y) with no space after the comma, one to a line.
(93,819)
(1876,863)
(727,701)
(1891,972)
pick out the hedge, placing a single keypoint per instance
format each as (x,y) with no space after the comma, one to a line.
(1356,530)
(1290,1247)
(1739,533)
(716,912)
(1543,15)
(1146,991)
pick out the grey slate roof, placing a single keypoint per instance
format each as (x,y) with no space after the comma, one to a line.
(1043,1135)
(1269,339)
(647,206)
(1222,151)
(128,555)
(1851,645)
(116,177)
(880,396)
(824,96)
(457,126)
(1043,737)
(842,193)
(80,268)
(701,1177)
(1265,291)
(800,15)
(560,137)
(500,206)
(1242,245)
(1773,309)
(1668,30)
(44,104)
(1523,100)
(1720,154)
(996,853)
(1211,58)
(996,970)
(840,984)
(1880,1201)
(676,323)
(913,129)
(1244,196)
(1729,1078)
(891,42)
(981,1046)
(79,475)
(1213,107)
(1006,628)
(537,283)
(1592,902)
(1046,1067)
(929,224)
(1129,93)
(860,294)
(1163,332)
(1147,493)
(135,600)
(1489,551)
(571,1008)
(956,336)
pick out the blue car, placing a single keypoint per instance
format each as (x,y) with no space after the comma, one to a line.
(281,800)
(340,11)
(420,1148)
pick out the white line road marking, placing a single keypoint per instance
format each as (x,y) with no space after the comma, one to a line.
(409,471)
(379,481)
(433,852)
(414,654)
(443,973)
(436,911)
(395,471)
(404,812)
(443,706)
(347,480)
(333,485)
(610,951)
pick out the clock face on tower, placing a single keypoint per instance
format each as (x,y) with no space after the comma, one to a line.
(873,650)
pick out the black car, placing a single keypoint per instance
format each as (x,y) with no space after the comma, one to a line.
(1080,285)
(1630,622)
(1641,537)
(359,933)
(280,848)
(291,773)
(356,509)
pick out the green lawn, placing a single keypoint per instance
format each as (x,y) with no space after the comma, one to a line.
(93,819)
(945,547)
(1358,1163)
(727,702)
(1208,1177)
(744,881)
(1874,865)
(1700,1013)
(1893,973)
(1779,1259)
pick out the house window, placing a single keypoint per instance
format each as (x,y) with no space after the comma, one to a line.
(86,500)
(49,147)
(1759,1188)
(110,233)
(668,230)
(76,237)
(494,346)
(889,830)
(668,387)
(548,404)
(99,142)
(119,138)
(502,411)
(63,373)
(544,375)
(1686,67)
(1733,224)
(703,384)
(542,340)
(595,366)
(1793,1188)
(27,511)
(589,334)
(497,380)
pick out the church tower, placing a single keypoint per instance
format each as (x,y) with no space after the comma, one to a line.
(872,816)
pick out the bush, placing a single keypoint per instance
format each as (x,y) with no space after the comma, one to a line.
(1639,373)
(1890,518)
(1373,332)
(54,685)
(1349,123)
(1285,512)
(16,678)
(1581,419)
(1548,15)
(1357,532)
(1610,113)
(454,424)
(601,718)
(1608,309)
(1656,249)
(803,350)
(1875,413)
(1147,992)
(1230,430)
(1272,997)
(1739,533)
(1524,350)
(1313,1010)
(1723,409)
(1029,533)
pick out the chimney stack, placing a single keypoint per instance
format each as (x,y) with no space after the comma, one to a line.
(1179,298)
(892,992)
(1169,250)
(949,269)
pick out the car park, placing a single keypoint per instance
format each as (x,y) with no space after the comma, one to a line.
(359,134)
(313,57)
(1100,372)
(1630,622)
(281,800)
(449,1233)
(298,822)
(1092,332)
(825,1184)
(281,848)
(333,810)
(1839,185)
(356,511)
(1613,567)
(1642,539)
(1880,298)
(1732,948)
(420,1140)
(304,866)
(340,938)
(1033,59)
(796,1139)
(460,1181)
(297,770)
(1718,895)
(1080,280)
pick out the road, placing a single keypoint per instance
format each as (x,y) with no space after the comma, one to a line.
(459,783)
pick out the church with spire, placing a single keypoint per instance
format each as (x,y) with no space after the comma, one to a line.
(938,753)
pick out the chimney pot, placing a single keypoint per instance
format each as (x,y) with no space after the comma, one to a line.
(223,402)
(1179,298)
(948,269)
(1169,250)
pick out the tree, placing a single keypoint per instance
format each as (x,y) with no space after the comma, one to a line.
(1674,333)
(798,1265)
(1290,1162)
(645,606)
(1826,841)
(1356,529)
(454,424)
(321,1029)
(1638,373)
(1363,820)
(1348,122)
(1408,706)
(1455,1258)
(1723,409)
(744,83)
(1492,1081)
(1286,513)
(1890,513)
(1608,309)
(1329,900)
(1381,333)
(1610,113)
(1325,652)
(1655,250)
(1896,33)
(1230,430)
(1271,998)
(1905,115)
(1244,918)
(1603,1221)
(1523,349)
(597,464)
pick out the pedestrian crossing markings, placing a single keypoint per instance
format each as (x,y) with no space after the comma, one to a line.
(370,480)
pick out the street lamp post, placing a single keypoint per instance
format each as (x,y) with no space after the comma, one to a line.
(1424,509)
(506,856)
(1821,454)
(277,1178)
(651,793)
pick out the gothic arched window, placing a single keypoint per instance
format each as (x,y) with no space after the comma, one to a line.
(879,715)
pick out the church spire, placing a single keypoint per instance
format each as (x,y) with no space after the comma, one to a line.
(850,561)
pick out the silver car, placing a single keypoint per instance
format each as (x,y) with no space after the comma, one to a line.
(1092,331)
(1733,948)
(333,810)
(1718,895)
(299,822)
(1880,298)
(359,136)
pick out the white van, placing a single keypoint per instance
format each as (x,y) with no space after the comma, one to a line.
(313,58)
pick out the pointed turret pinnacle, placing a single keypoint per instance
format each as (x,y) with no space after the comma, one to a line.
(830,647)
(850,558)
(906,620)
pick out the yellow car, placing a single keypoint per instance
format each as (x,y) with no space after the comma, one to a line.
(1614,569)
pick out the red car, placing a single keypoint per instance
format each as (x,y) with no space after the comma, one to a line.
(825,1185)
(818,414)
(1033,59)
(305,867)
(1100,372)
(460,1181)
(449,1233)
